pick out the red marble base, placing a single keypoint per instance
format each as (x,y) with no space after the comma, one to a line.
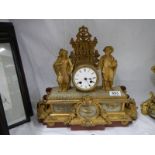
(98,127)
(78,127)
(58,125)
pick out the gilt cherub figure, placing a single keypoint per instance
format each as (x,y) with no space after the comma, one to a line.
(63,68)
(108,65)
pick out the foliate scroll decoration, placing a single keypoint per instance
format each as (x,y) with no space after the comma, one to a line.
(130,108)
(148,107)
(90,113)
(84,48)
(43,109)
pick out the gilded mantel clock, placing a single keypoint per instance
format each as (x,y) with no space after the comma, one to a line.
(79,100)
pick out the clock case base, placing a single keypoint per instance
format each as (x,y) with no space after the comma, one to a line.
(68,109)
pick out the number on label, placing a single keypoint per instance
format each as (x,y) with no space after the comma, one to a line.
(114,93)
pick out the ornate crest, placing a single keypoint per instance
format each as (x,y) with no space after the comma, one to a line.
(84,49)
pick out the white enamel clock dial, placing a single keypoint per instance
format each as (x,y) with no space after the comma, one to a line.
(85,78)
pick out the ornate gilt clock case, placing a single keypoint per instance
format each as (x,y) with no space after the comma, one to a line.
(85,103)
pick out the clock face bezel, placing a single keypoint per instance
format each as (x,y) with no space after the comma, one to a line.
(85,66)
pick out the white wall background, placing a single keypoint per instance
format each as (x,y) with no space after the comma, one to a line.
(133,41)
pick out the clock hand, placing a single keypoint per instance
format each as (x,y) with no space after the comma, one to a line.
(90,80)
(87,81)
